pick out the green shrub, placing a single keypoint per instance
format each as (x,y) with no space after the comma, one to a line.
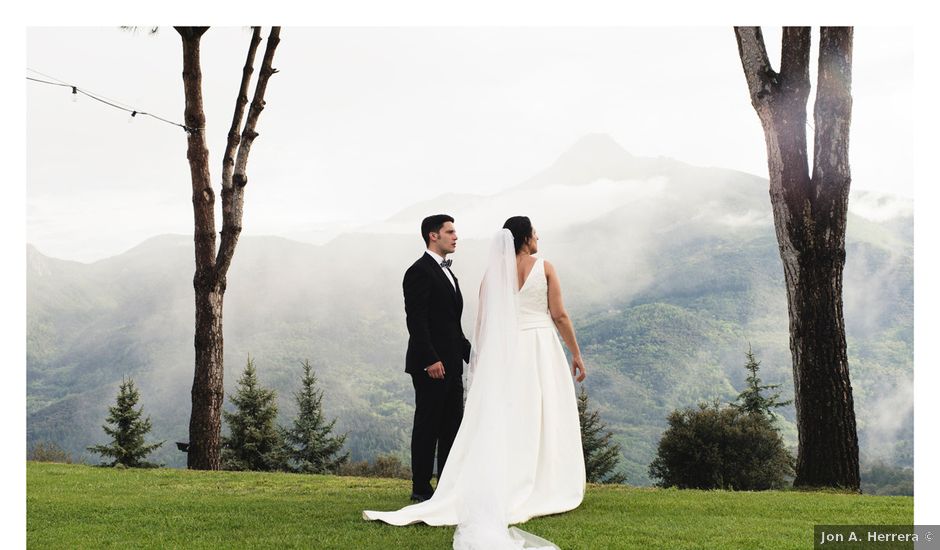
(48,451)
(884,479)
(387,465)
(715,447)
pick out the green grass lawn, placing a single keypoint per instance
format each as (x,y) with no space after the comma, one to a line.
(76,506)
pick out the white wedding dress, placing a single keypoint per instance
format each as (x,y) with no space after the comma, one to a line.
(518,452)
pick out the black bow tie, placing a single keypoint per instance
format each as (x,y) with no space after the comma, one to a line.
(446,263)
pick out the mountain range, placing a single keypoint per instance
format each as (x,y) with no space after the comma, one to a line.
(670,272)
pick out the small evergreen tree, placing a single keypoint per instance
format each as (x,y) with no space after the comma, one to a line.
(601,455)
(312,447)
(254,442)
(751,400)
(127,446)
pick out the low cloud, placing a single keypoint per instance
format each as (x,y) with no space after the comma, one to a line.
(751,218)
(880,207)
(892,412)
(551,208)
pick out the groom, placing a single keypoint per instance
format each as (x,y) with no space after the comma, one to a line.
(437,349)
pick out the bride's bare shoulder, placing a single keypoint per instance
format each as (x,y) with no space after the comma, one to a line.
(549,269)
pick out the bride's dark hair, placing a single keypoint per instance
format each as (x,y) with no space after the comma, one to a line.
(521,229)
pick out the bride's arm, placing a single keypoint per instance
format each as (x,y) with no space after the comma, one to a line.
(556,308)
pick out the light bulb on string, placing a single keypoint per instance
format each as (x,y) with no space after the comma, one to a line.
(134,113)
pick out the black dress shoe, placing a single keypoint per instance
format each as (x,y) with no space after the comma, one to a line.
(415,497)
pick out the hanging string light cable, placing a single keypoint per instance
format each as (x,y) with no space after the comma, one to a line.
(109,102)
(93,92)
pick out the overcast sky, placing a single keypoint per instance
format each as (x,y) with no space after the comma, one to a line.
(362,122)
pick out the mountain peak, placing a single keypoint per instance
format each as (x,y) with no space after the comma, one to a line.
(592,157)
(594,147)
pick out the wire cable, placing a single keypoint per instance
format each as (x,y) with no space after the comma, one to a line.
(107,101)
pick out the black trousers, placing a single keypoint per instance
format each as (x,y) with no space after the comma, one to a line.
(438,412)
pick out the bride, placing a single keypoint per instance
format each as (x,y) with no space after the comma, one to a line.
(518,452)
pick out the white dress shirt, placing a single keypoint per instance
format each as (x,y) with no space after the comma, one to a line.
(439,259)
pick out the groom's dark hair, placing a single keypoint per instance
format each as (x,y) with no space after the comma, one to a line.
(521,229)
(433,224)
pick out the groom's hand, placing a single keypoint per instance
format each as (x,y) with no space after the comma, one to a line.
(436,370)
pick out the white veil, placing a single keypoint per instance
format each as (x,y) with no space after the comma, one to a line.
(483,501)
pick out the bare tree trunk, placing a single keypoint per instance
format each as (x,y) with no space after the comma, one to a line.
(810,219)
(209,281)
(234,176)
(205,421)
(207,394)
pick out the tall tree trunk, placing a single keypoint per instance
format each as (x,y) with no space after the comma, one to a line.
(207,393)
(205,422)
(810,219)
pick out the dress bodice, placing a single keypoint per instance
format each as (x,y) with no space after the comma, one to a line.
(533,299)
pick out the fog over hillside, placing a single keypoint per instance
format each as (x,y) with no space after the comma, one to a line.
(669,270)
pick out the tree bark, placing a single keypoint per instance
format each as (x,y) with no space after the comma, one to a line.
(209,281)
(233,185)
(205,421)
(810,220)
(207,393)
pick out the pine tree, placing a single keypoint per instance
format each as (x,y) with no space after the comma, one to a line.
(751,400)
(601,455)
(312,447)
(127,446)
(255,441)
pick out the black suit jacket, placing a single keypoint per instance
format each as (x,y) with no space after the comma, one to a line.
(432,311)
